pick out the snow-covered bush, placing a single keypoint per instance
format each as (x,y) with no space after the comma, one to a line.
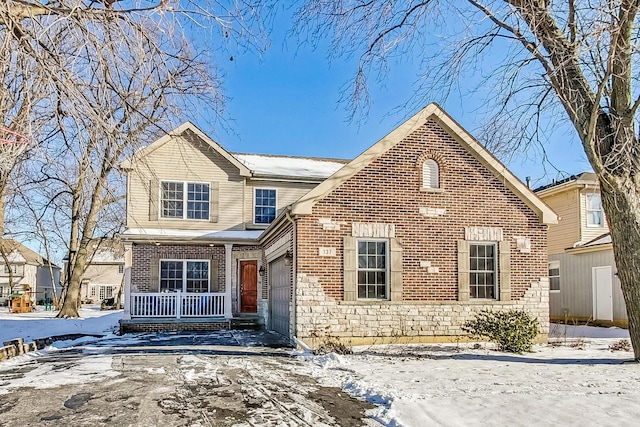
(514,330)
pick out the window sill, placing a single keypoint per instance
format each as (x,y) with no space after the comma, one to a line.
(432,190)
(553,292)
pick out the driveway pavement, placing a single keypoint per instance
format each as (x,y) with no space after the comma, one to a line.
(226,378)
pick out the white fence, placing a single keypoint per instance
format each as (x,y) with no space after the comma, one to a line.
(177,304)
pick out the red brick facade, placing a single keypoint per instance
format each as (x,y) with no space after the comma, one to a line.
(142,256)
(389,191)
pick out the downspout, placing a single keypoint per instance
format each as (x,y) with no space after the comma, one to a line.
(294,265)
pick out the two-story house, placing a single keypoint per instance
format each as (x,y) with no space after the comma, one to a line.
(104,275)
(22,266)
(409,239)
(583,281)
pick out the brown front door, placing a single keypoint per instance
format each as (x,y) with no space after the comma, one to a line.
(249,286)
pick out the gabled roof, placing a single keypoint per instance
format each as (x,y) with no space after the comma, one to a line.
(17,253)
(434,112)
(602,242)
(584,179)
(186,127)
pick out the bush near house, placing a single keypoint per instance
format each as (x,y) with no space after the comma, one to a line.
(514,330)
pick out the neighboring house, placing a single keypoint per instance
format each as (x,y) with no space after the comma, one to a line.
(28,268)
(405,242)
(104,275)
(584,285)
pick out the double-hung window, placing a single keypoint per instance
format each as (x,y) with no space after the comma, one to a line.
(554,276)
(184,200)
(595,215)
(373,269)
(483,270)
(184,275)
(265,206)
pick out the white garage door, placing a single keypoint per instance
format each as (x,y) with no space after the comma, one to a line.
(280,297)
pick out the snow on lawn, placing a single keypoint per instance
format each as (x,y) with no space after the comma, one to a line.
(578,381)
(43,324)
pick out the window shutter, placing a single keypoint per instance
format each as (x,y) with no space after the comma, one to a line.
(396,270)
(214,203)
(463,271)
(349,267)
(154,191)
(213,276)
(505,271)
(154,275)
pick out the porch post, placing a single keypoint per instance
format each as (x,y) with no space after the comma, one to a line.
(228,271)
(178,304)
(127,281)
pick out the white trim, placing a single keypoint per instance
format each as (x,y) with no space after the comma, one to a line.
(587,210)
(496,272)
(185,200)
(594,290)
(554,265)
(184,272)
(387,262)
(254,205)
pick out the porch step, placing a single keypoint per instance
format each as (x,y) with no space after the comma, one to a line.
(252,323)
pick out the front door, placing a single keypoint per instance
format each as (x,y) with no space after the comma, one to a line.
(602,293)
(249,286)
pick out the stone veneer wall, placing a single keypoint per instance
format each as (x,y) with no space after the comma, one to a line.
(427,224)
(388,322)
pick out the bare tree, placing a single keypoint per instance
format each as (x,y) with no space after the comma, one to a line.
(533,59)
(113,74)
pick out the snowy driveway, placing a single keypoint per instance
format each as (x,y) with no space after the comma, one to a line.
(220,379)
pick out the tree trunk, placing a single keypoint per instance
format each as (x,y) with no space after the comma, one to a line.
(621,203)
(72,296)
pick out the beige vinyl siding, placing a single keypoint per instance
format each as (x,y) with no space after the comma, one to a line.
(576,286)
(589,233)
(190,161)
(566,232)
(286,193)
(103,274)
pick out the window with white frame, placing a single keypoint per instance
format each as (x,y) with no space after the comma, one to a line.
(120,268)
(483,270)
(372,269)
(265,205)
(184,200)
(595,215)
(105,292)
(184,275)
(430,174)
(13,267)
(554,276)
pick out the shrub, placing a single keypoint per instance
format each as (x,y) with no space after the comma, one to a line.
(514,330)
(622,345)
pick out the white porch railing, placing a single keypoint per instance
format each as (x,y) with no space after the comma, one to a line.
(177,304)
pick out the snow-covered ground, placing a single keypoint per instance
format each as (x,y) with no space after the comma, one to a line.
(43,324)
(577,380)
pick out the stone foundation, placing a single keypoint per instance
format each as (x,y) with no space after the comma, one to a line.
(364,322)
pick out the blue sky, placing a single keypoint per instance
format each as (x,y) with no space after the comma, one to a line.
(287,102)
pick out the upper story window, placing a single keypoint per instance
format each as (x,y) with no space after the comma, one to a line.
(184,200)
(265,206)
(13,267)
(483,270)
(595,214)
(373,270)
(120,268)
(430,174)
